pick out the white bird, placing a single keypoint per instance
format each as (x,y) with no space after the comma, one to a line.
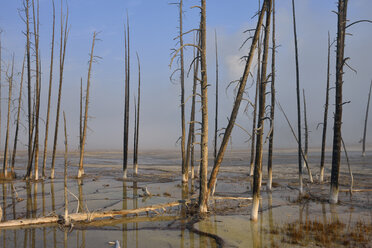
(146,192)
(115,244)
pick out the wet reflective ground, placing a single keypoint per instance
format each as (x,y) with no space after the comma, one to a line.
(285,219)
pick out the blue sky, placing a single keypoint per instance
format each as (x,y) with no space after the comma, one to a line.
(153,27)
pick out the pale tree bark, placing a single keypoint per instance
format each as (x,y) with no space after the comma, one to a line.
(257,176)
(66,217)
(126,104)
(185,169)
(325,119)
(272,107)
(237,102)
(336,153)
(135,154)
(366,121)
(298,101)
(216,107)
(216,114)
(203,196)
(62,53)
(81,168)
(18,117)
(254,114)
(81,114)
(191,134)
(135,133)
(37,84)
(0,87)
(49,98)
(10,81)
(29,103)
(306,130)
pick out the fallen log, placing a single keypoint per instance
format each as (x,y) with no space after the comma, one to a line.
(230,198)
(356,190)
(79,217)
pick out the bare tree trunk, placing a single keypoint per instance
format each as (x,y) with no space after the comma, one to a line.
(254,114)
(325,120)
(81,114)
(38,85)
(126,105)
(28,49)
(135,132)
(191,134)
(185,169)
(306,149)
(135,154)
(203,196)
(10,81)
(272,108)
(348,165)
(237,102)
(216,112)
(66,217)
(81,169)
(49,98)
(336,154)
(298,101)
(18,114)
(0,88)
(62,53)
(261,116)
(366,121)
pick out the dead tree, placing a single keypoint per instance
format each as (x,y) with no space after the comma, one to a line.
(216,111)
(349,167)
(10,81)
(238,99)
(81,114)
(340,61)
(37,84)
(272,107)
(28,49)
(185,169)
(261,116)
(191,134)
(66,217)
(295,137)
(203,196)
(366,121)
(136,133)
(325,120)
(298,101)
(18,117)
(81,169)
(126,104)
(49,98)
(0,87)
(62,53)
(254,114)
(306,148)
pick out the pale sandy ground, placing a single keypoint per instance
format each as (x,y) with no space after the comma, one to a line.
(159,171)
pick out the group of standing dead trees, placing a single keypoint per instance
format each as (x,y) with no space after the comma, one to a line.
(126,106)
(33,73)
(207,185)
(263,78)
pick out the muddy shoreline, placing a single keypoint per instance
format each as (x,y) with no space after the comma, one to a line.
(285,219)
